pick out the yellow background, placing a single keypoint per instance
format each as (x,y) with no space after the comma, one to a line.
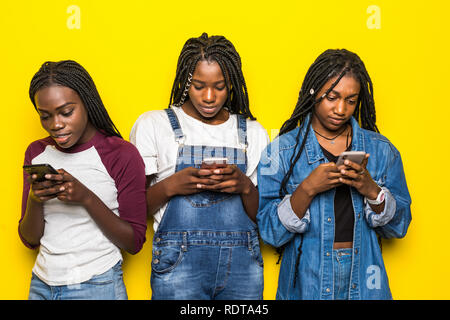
(130,48)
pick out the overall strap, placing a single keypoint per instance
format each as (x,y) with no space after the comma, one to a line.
(242,130)
(175,124)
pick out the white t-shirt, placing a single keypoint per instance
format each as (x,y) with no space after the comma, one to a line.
(153,136)
(73,249)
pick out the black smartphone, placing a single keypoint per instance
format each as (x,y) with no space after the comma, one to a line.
(40,170)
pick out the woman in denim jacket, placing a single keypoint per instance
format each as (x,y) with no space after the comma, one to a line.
(328,218)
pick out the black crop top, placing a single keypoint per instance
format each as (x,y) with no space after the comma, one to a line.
(344,216)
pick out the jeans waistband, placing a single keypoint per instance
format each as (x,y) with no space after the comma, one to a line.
(344,252)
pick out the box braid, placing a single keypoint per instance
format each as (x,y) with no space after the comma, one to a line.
(221,50)
(329,64)
(70,74)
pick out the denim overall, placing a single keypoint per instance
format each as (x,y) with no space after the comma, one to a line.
(206,247)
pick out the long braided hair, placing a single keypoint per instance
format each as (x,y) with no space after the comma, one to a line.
(330,64)
(221,50)
(71,74)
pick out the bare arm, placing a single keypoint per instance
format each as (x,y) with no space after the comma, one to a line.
(32,225)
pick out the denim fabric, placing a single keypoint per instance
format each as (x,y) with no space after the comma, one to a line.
(316,231)
(342,268)
(207,265)
(289,219)
(106,286)
(206,247)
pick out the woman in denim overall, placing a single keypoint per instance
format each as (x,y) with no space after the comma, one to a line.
(206,245)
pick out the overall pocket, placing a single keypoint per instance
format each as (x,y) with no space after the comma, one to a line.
(166,258)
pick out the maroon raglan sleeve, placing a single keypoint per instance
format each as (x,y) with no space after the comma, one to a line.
(126,167)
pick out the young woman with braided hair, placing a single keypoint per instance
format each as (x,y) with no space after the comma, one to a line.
(206,241)
(95,206)
(327,217)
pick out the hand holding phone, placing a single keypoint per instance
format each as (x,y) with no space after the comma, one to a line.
(357,176)
(43,189)
(228,177)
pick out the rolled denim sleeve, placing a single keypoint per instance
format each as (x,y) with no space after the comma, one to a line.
(395,220)
(270,176)
(289,219)
(380,219)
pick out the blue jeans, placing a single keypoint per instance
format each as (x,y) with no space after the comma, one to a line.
(214,266)
(106,286)
(342,267)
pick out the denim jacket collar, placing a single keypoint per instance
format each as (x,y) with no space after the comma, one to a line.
(312,146)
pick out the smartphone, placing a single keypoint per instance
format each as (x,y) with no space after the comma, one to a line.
(214,162)
(354,156)
(40,170)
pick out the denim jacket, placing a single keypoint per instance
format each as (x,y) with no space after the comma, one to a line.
(307,269)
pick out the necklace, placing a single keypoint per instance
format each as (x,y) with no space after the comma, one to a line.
(333,138)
